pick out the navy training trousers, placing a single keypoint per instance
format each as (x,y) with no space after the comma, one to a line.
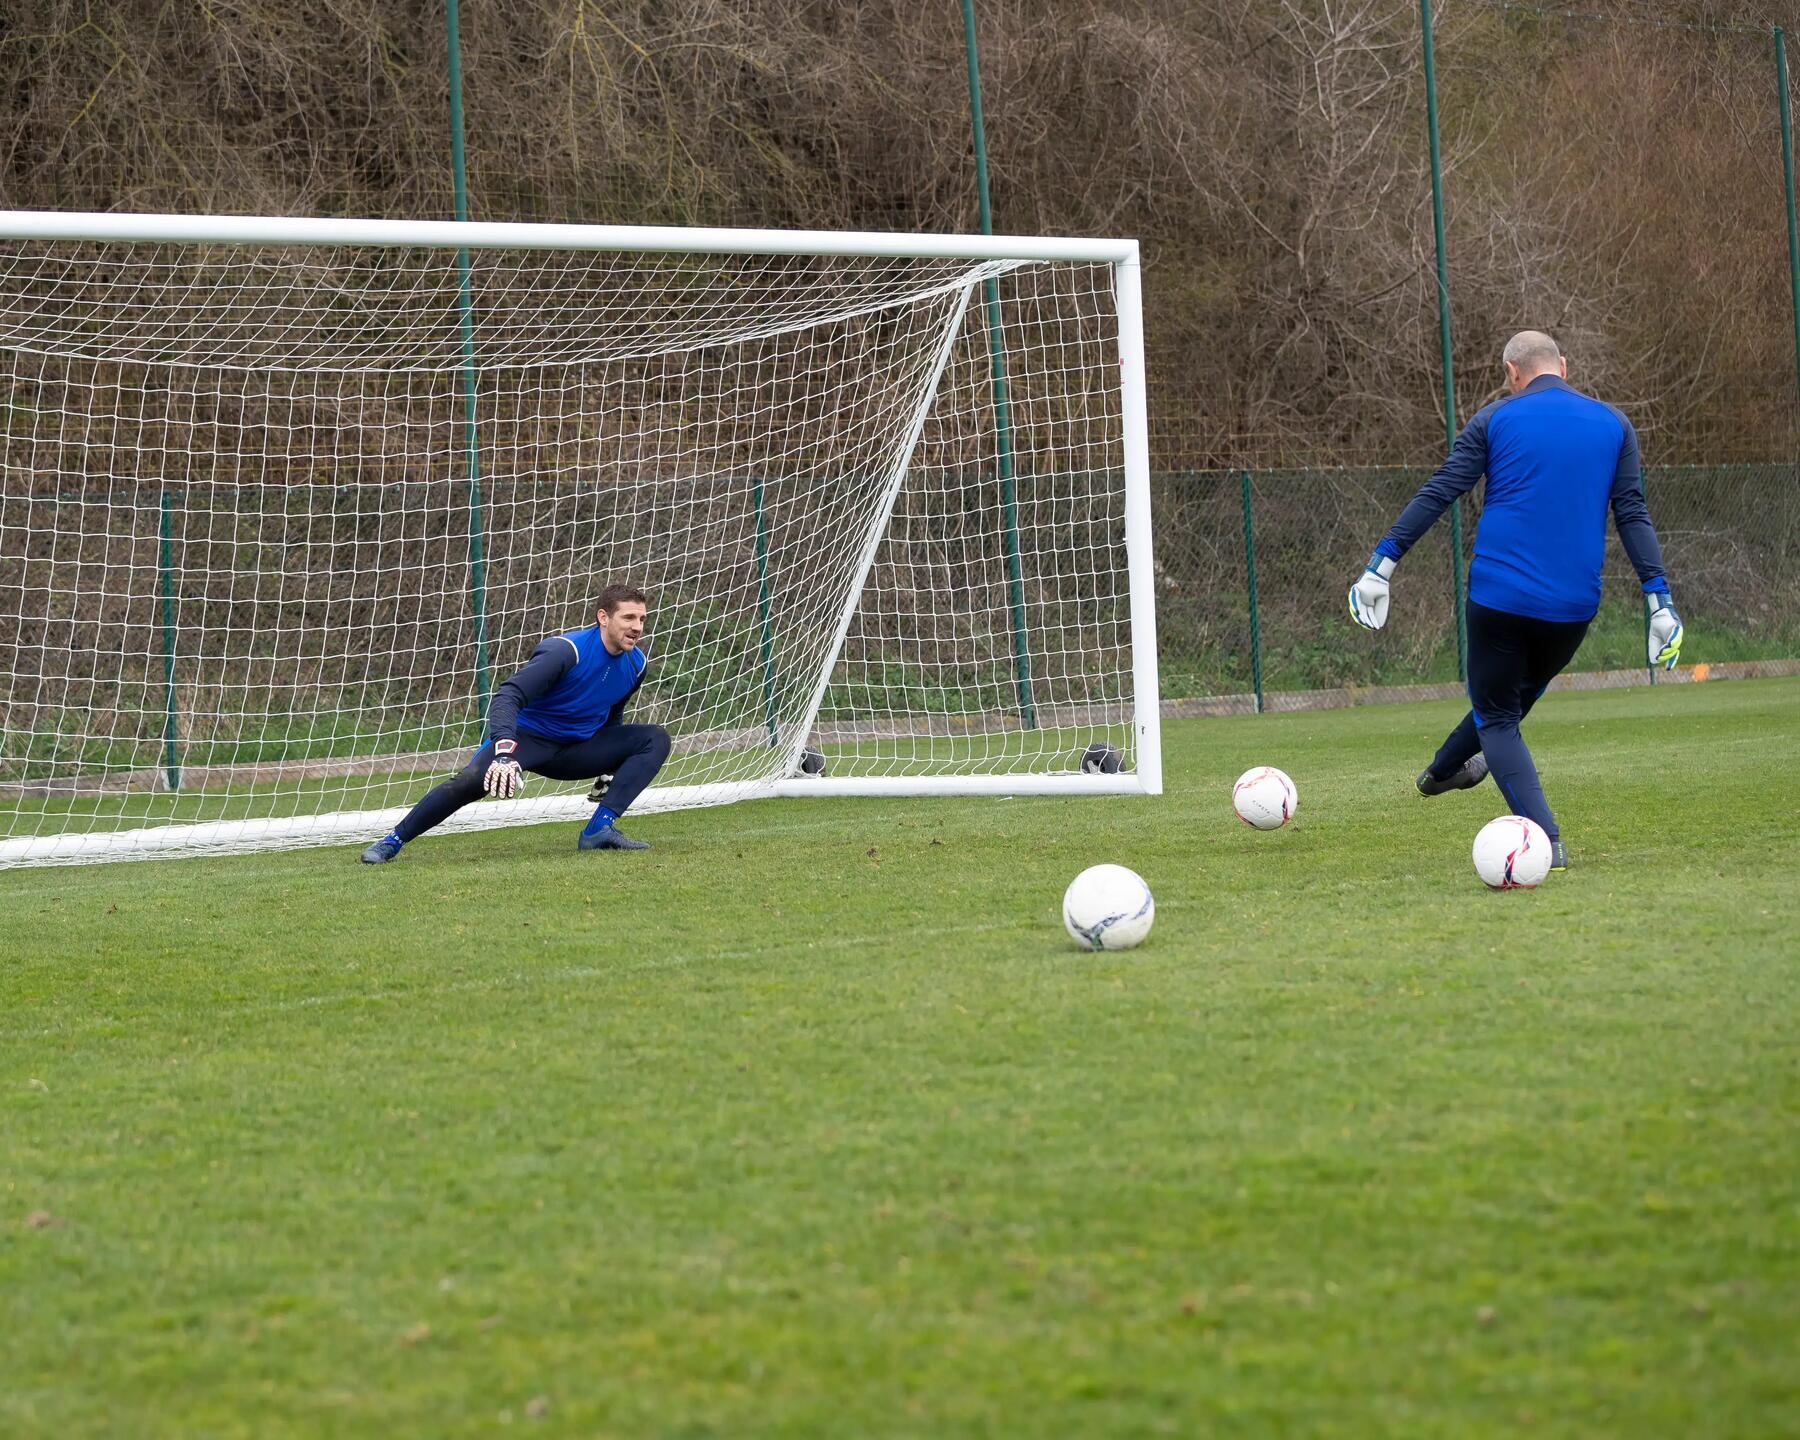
(1512,658)
(631,754)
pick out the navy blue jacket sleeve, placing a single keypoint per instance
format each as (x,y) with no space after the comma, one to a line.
(617,714)
(1631,516)
(1456,477)
(552,660)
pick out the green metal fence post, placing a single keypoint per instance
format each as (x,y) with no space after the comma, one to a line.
(997,371)
(1256,678)
(1787,176)
(1650,668)
(768,618)
(1443,288)
(466,306)
(166,564)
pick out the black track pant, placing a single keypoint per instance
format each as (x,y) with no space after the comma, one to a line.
(1511,659)
(631,754)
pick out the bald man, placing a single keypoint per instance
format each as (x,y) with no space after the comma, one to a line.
(1555,461)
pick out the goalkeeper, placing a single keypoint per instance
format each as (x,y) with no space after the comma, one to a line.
(1555,461)
(560,717)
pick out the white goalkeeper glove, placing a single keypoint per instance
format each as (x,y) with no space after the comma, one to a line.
(505,777)
(1665,631)
(1369,595)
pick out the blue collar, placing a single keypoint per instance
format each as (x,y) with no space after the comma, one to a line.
(1546,381)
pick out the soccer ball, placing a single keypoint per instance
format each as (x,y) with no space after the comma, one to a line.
(1265,797)
(1512,853)
(1108,907)
(1101,759)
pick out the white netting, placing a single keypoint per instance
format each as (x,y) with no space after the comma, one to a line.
(248,594)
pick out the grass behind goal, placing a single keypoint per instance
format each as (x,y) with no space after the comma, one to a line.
(810,1121)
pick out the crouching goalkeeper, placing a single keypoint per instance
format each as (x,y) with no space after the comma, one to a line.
(560,716)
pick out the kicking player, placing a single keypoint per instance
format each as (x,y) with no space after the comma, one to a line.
(560,716)
(1555,460)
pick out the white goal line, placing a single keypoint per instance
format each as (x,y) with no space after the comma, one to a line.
(281,831)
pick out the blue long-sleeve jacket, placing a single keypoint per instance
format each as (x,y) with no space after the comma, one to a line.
(1555,460)
(571,687)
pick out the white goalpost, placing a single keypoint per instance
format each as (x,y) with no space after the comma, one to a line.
(283,500)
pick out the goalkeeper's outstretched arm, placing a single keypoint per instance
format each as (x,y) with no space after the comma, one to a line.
(1457,476)
(533,680)
(1462,468)
(552,660)
(1631,518)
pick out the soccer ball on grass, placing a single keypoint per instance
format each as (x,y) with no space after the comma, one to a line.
(1512,853)
(1265,797)
(1108,907)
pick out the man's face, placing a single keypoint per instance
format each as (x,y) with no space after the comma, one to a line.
(623,626)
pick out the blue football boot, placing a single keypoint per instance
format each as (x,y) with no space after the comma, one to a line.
(610,839)
(383,850)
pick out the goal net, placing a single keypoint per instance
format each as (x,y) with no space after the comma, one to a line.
(282,502)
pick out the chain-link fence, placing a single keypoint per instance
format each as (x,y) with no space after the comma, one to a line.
(1253,570)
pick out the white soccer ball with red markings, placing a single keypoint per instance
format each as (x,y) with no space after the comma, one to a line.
(1512,853)
(1108,907)
(1265,797)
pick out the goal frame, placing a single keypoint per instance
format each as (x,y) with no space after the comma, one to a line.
(1122,255)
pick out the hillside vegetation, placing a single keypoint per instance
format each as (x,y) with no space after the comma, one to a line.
(1618,181)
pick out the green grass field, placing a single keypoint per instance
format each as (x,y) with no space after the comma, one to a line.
(812,1123)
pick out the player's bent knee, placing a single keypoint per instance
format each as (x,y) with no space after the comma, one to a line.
(658,743)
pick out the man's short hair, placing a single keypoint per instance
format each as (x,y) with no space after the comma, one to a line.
(1531,350)
(614,595)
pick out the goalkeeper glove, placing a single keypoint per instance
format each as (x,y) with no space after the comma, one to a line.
(1369,595)
(1665,631)
(505,777)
